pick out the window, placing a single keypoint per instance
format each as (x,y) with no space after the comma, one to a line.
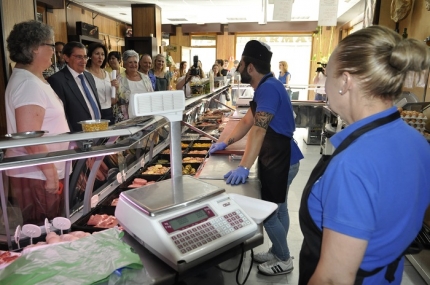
(205,48)
(294,49)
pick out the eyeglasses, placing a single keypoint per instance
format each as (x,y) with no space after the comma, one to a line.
(51,45)
(81,57)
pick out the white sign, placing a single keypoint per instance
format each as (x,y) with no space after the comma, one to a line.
(328,13)
(282,10)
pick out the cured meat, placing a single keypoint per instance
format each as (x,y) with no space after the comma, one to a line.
(7,257)
(96,219)
(54,239)
(102,221)
(79,234)
(134,185)
(139,181)
(68,237)
(110,222)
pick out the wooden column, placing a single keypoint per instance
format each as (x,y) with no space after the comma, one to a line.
(146,20)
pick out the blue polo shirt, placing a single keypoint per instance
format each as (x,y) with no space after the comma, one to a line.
(271,97)
(377,190)
(296,153)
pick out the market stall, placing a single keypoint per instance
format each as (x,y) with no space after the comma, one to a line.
(149,142)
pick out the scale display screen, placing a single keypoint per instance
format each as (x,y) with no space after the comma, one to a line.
(188,220)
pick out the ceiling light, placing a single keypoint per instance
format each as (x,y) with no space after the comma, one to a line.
(236,19)
(177,19)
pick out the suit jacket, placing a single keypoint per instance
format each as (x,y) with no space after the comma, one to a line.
(75,106)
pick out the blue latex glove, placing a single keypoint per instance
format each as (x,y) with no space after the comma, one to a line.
(237,176)
(217,146)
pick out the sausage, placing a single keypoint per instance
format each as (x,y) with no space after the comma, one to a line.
(139,181)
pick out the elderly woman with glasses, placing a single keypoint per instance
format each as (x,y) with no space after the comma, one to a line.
(32,105)
(131,81)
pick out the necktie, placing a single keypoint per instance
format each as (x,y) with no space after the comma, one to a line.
(89,97)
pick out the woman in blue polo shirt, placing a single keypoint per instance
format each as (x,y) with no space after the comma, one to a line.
(363,206)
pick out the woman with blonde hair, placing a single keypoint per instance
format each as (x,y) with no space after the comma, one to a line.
(362,207)
(162,77)
(284,75)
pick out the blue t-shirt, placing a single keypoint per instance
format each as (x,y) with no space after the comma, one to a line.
(283,79)
(271,97)
(377,190)
(296,153)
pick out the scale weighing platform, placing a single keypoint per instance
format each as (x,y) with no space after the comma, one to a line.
(184,221)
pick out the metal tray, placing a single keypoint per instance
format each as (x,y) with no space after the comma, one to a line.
(26,135)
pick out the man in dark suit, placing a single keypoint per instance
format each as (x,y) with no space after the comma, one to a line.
(76,87)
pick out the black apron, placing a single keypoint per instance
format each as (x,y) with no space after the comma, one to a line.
(311,247)
(273,161)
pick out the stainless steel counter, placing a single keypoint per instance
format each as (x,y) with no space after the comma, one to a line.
(421,262)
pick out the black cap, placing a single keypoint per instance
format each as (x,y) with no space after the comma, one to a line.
(257,50)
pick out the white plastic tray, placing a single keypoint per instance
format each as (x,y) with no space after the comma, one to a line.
(257,209)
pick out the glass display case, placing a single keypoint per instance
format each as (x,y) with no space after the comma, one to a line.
(98,162)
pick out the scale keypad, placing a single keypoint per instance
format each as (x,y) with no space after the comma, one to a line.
(201,234)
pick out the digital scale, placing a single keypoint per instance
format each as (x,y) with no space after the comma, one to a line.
(184,227)
(184,221)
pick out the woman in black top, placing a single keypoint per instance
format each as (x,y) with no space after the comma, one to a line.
(162,77)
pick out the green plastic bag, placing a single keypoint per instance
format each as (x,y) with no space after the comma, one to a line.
(85,261)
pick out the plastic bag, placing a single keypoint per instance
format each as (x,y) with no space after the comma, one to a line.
(85,261)
(129,276)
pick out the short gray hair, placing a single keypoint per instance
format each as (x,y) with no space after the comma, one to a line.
(129,53)
(25,37)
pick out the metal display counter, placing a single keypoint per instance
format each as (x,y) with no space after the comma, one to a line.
(309,115)
(84,145)
(421,262)
(118,138)
(329,128)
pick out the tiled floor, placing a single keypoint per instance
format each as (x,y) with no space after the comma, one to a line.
(216,277)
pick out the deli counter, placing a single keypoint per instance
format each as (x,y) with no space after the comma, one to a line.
(119,155)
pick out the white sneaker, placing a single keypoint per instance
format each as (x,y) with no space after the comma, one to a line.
(262,257)
(276,267)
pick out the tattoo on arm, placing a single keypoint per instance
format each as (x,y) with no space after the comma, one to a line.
(262,119)
(230,141)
